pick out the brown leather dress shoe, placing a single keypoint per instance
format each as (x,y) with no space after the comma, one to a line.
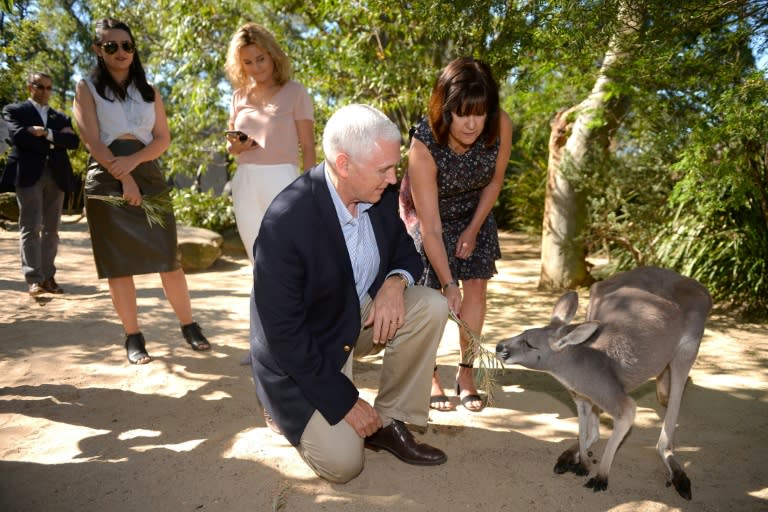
(35,289)
(398,440)
(50,286)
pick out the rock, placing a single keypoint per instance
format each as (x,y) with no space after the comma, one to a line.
(233,245)
(9,208)
(198,248)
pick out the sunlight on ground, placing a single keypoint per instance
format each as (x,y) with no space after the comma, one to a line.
(645,506)
(216,395)
(396,501)
(259,445)
(186,446)
(546,427)
(740,386)
(138,432)
(45,445)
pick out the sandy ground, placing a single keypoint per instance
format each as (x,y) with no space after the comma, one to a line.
(81,429)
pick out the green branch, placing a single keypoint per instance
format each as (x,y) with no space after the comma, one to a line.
(155,207)
(487,362)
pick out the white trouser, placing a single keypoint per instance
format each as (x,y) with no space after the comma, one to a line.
(253,189)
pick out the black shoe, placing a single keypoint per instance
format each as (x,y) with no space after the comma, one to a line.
(35,289)
(50,286)
(398,440)
(194,336)
(135,349)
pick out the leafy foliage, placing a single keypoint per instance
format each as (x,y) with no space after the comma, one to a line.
(677,186)
(203,209)
(720,231)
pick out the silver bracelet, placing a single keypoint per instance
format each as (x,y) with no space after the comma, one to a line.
(452,282)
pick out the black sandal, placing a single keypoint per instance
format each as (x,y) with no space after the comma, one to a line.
(194,336)
(474,397)
(136,350)
(437,402)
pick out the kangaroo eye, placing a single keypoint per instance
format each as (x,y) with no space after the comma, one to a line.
(529,345)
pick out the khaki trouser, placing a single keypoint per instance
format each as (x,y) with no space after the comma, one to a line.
(336,452)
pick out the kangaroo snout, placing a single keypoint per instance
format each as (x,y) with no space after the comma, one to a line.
(502,353)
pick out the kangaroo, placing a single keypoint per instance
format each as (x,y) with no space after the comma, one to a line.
(640,324)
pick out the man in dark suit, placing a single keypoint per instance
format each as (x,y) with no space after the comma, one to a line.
(333,280)
(39,168)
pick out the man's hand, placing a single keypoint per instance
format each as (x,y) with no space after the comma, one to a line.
(363,418)
(387,313)
(38,131)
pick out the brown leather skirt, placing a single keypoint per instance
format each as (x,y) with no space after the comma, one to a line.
(124,243)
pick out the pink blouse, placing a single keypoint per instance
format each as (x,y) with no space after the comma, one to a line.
(272,125)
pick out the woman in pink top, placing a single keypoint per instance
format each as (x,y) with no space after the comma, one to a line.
(276,114)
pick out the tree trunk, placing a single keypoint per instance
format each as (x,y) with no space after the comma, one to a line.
(563,253)
(575,133)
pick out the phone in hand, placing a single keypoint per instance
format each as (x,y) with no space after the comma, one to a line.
(242,137)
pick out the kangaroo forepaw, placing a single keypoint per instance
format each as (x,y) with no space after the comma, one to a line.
(682,484)
(568,462)
(571,467)
(597,483)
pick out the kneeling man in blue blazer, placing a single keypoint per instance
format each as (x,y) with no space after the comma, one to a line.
(333,281)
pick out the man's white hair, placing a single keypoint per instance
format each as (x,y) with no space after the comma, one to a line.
(354,130)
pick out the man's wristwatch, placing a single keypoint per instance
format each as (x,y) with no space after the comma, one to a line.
(406,282)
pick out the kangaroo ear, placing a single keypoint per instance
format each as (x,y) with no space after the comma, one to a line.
(578,335)
(565,308)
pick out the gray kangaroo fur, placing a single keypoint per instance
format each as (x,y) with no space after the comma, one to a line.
(640,324)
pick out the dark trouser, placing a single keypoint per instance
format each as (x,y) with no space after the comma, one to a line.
(39,218)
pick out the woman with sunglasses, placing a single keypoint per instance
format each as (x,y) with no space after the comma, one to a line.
(122,122)
(275,116)
(456,163)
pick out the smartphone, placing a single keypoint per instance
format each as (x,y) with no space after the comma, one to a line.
(242,137)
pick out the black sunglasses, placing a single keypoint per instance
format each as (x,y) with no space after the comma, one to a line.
(111,47)
(42,87)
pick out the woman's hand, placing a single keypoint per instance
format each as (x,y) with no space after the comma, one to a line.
(235,146)
(131,192)
(465,246)
(122,166)
(452,294)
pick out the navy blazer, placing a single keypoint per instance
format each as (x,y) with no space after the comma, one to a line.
(29,154)
(306,318)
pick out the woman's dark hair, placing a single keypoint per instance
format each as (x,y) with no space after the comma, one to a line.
(103,80)
(464,87)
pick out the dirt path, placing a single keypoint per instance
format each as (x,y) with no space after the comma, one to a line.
(80,429)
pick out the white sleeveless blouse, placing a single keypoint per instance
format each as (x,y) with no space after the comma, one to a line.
(134,115)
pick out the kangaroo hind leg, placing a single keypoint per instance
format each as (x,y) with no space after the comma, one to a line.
(679,368)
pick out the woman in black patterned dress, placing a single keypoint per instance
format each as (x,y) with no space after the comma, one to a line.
(456,165)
